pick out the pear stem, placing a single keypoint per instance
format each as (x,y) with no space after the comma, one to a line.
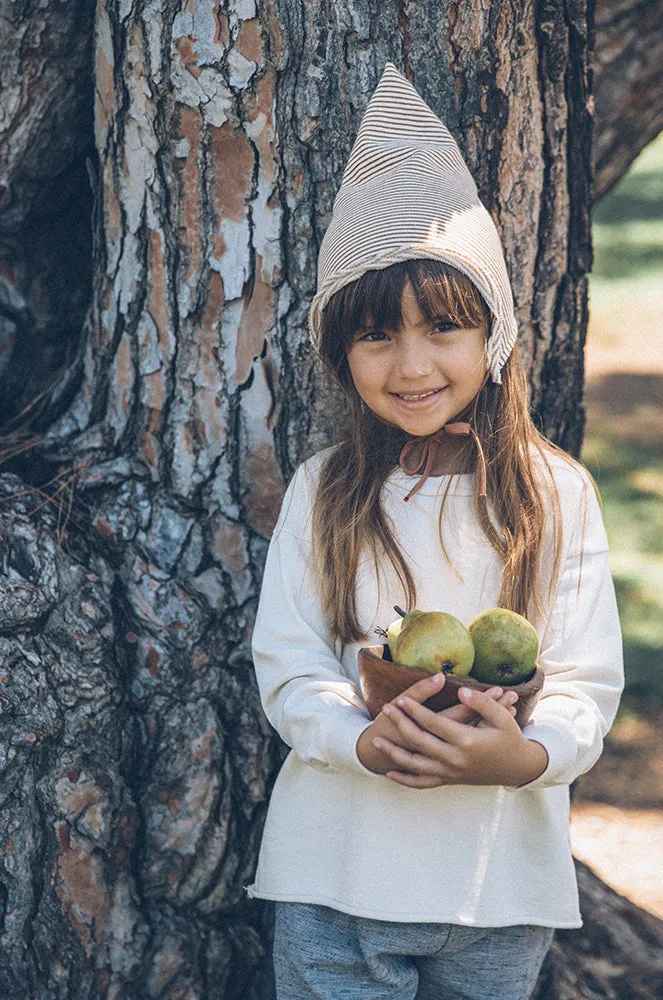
(399,611)
(380,631)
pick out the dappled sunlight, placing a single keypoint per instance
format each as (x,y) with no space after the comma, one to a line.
(631,847)
(617,812)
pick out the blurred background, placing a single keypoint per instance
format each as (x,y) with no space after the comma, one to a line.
(618,807)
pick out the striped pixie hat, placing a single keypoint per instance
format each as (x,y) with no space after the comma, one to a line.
(407,192)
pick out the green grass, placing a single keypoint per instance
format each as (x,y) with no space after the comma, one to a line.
(623,446)
(631,484)
(628,224)
(628,228)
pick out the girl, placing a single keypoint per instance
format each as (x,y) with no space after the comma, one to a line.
(425,854)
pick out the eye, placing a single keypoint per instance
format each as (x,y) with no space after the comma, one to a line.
(371,337)
(444,325)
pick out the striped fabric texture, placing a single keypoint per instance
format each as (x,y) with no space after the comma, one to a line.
(407,192)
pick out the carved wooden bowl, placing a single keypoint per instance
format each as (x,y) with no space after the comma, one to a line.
(383,680)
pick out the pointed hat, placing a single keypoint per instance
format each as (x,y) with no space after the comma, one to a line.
(407,192)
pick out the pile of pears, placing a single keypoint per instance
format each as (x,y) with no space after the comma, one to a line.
(498,646)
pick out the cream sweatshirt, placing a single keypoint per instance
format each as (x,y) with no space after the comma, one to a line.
(339,835)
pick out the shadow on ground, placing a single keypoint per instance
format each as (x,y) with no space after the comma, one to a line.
(630,771)
(641,201)
(624,451)
(626,408)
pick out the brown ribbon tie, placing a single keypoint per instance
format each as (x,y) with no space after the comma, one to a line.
(431,447)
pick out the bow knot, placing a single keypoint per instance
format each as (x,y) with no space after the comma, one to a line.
(426,462)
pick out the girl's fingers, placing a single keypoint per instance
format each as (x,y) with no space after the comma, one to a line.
(482,724)
(416,734)
(508,699)
(440,724)
(490,710)
(426,688)
(461,713)
(422,690)
(449,730)
(406,760)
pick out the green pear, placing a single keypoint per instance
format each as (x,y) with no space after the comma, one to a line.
(395,628)
(506,647)
(435,641)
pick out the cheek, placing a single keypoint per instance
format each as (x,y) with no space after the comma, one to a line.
(365,372)
(475,369)
(471,365)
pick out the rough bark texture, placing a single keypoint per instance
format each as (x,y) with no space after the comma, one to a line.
(628,83)
(45,195)
(136,761)
(618,954)
(47,171)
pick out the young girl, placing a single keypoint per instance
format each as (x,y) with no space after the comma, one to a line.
(425,854)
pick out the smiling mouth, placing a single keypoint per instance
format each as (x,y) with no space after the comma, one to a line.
(414,397)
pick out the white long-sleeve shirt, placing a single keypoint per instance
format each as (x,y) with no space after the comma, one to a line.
(339,835)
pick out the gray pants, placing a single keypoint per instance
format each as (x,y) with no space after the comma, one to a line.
(322,954)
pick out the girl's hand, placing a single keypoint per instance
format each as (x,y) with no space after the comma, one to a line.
(432,749)
(384,728)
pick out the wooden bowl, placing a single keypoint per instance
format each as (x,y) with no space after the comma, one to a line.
(383,680)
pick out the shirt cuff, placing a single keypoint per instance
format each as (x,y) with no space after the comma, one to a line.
(343,728)
(561,747)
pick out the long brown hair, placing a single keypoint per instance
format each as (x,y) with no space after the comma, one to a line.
(348,519)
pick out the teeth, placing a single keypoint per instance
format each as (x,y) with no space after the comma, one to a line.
(422,396)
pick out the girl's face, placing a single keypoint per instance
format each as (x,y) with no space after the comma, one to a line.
(421,376)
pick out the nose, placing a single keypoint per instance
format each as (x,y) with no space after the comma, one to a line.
(413,361)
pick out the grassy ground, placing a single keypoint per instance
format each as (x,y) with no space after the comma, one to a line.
(623,442)
(617,818)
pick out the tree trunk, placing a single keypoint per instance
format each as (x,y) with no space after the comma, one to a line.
(45,198)
(628,83)
(136,760)
(47,153)
(618,954)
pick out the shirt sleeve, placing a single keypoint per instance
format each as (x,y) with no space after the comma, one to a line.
(581,648)
(307,698)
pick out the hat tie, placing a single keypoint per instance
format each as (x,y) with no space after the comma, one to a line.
(431,447)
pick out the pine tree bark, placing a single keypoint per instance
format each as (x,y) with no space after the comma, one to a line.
(136,760)
(47,155)
(46,141)
(628,82)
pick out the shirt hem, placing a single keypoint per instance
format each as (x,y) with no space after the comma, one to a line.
(424,918)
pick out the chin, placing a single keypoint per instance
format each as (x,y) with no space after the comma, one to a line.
(422,428)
